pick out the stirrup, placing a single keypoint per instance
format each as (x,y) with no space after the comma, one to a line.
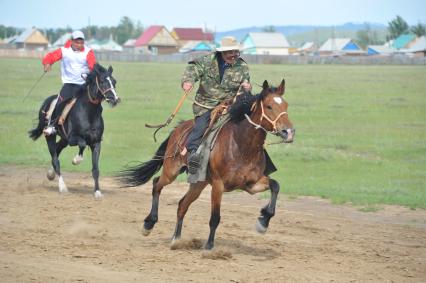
(194,163)
(49,130)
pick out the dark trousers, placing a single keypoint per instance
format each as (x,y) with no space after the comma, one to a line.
(200,126)
(68,91)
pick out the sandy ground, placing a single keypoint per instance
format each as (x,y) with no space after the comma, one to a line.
(46,236)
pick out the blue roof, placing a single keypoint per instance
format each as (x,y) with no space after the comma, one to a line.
(202,46)
(351,46)
(371,51)
(402,40)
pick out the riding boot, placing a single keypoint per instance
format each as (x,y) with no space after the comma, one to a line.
(194,163)
(50,128)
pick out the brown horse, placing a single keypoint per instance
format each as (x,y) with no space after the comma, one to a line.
(237,159)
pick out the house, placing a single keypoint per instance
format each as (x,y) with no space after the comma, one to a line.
(265,43)
(31,39)
(156,40)
(308,48)
(403,41)
(129,45)
(62,40)
(197,46)
(188,35)
(380,50)
(418,48)
(340,46)
(104,45)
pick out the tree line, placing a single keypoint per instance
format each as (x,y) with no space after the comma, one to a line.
(126,29)
(395,28)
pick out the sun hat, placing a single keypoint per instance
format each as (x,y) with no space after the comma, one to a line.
(228,43)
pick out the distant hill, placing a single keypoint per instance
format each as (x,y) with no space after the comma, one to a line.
(297,35)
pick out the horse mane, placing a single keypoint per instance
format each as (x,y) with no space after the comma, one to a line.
(92,75)
(242,105)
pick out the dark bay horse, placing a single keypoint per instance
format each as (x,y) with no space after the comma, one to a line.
(84,125)
(237,160)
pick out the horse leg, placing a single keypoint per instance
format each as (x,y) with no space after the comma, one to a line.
(79,157)
(96,151)
(216,199)
(53,150)
(191,195)
(268,211)
(170,171)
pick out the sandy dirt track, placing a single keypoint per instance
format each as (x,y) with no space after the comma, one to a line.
(46,236)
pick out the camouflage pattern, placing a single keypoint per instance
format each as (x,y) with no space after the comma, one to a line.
(212,91)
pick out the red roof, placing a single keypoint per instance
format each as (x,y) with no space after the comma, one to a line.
(148,35)
(192,34)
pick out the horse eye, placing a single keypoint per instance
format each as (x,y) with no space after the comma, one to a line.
(269,107)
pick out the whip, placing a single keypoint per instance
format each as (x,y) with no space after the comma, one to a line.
(35,84)
(169,120)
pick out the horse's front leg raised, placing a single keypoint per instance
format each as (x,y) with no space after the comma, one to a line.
(268,211)
(54,150)
(96,151)
(79,157)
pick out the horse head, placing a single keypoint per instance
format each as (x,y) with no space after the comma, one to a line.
(271,112)
(101,85)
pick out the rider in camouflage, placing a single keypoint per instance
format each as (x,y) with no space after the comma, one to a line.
(220,74)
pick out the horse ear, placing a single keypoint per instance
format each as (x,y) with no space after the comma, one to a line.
(281,88)
(265,85)
(110,69)
(96,68)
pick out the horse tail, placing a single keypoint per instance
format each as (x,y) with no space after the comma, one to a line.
(142,173)
(35,133)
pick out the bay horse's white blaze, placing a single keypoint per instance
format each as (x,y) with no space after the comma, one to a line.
(77,159)
(278,100)
(62,187)
(98,195)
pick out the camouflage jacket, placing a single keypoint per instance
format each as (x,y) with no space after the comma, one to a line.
(212,90)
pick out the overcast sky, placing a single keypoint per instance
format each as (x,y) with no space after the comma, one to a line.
(219,15)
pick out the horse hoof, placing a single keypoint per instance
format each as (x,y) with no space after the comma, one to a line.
(77,159)
(175,244)
(63,190)
(146,232)
(62,187)
(208,246)
(50,174)
(260,228)
(98,195)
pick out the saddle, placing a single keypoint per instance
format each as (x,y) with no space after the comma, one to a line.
(64,113)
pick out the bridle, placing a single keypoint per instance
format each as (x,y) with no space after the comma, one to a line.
(95,100)
(273,122)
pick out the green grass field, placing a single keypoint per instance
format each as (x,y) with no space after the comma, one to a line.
(361,130)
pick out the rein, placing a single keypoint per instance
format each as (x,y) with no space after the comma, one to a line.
(273,122)
(95,100)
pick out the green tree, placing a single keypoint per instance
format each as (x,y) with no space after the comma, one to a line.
(367,36)
(397,27)
(419,29)
(269,29)
(125,30)
(6,32)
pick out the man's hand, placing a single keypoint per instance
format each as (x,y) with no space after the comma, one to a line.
(47,68)
(187,86)
(246,86)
